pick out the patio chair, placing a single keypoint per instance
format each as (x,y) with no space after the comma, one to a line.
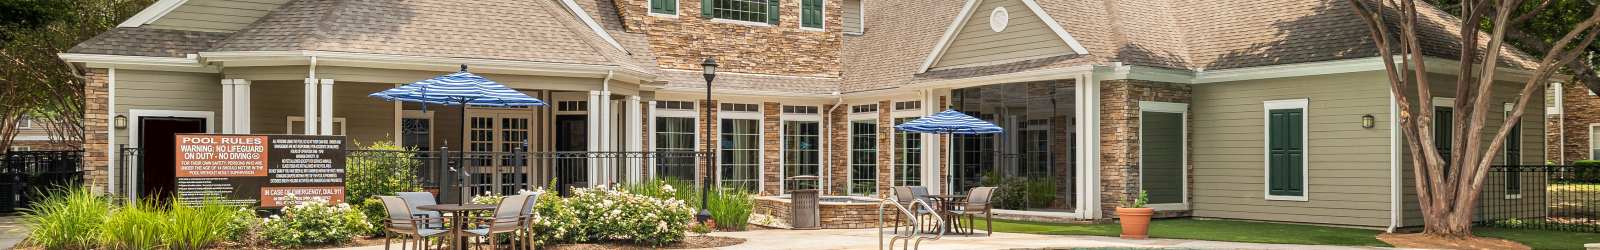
(507,219)
(978,202)
(402,222)
(417,199)
(905,195)
(527,218)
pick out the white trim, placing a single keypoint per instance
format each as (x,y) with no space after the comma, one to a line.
(1505,110)
(677,8)
(190,63)
(112,154)
(152,13)
(861,6)
(1594,129)
(761,137)
(800,19)
(30,138)
(325,107)
(584,16)
(428,63)
(849,154)
(1396,203)
(1168,107)
(133,131)
(1444,102)
(343,125)
(783,130)
(967,12)
(1266,149)
(741,22)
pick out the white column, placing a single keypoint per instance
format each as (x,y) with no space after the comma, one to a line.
(633,137)
(326,122)
(241,106)
(930,146)
(311,106)
(594,136)
(227,106)
(1087,91)
(608,130)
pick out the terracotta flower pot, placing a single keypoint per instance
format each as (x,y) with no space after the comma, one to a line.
(1135,222)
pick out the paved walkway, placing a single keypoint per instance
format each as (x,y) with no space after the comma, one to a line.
(11,231)
(866,239)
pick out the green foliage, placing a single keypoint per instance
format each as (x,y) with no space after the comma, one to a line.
(382,169)
(1137,202)
(314,222)
(601,214)
(1213,230)
(373,209)
(666,188)
(1587,171)
(33,79)
(555,221)
(700,229)
(136,225)
(67,217)
(198,226)
(731,208)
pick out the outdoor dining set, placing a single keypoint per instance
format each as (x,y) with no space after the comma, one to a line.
(949,207)
(417,216)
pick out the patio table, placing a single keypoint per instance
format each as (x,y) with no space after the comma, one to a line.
(946,208)
(458,214)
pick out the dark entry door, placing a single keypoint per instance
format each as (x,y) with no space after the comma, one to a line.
(572,135)
(157,172)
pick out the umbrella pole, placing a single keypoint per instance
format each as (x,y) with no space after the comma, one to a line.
(463,161)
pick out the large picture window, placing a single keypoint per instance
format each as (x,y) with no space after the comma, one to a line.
(907,156)
(740,162)
(1286,152)
(801,156)
(863,157)
(674,140)
(764,11)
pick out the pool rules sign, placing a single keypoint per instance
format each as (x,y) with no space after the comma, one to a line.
(259,170)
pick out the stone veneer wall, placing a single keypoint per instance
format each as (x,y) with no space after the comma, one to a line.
(706,139)
(838,149)
(1119,142)
(834,215)
(96,108)
(885,148)
(681,42)
(1581,110)
(771,149)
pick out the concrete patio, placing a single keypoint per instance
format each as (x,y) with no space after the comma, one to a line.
(867,239)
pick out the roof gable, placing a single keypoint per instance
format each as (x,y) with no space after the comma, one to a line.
(998,31)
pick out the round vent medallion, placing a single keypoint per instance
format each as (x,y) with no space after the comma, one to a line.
(998,19)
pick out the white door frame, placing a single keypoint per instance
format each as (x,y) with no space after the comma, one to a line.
(1168,107)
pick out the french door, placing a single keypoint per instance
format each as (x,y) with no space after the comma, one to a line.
(497,142)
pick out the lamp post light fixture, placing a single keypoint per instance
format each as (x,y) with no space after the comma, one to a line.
(710,67)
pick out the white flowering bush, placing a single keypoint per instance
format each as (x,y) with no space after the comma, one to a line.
(610,214)
(314,222)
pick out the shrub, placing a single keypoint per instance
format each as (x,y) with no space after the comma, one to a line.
(242,225)
(136,225)
(667,188)
(614,214)
(68,217)
(555,221)
(1587,171)
(731,208)
(383,169)
(373,209)
(314,222)
(197,226)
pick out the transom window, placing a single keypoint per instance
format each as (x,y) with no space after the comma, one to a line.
(743,10)
(799,109)
(907,105)
(741,107)
(572,106)
(680,105)
(868,108)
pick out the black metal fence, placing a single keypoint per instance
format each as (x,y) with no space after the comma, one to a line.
(1542,197)
(22,173)
(450,173)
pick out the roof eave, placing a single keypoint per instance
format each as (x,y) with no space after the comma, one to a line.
(369,60)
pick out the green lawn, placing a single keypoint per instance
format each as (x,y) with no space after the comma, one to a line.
(1215,230)
(1537,239)
(1263,232)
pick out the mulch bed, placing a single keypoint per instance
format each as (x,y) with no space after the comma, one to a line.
(1417,240)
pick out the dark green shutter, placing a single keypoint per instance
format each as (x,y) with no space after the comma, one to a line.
(669,7)
(1442,123)
(705,7)
(772,12)
(1514,158)
(1286,152)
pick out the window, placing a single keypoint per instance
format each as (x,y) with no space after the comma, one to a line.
(21,148)
(675,105)
(801,155)
(1286,152)
(803,110)
(741,107)
(664,7)
(1594,141)
(852,17)
(24,122)
(868,108)
(763,11)
(297,125)
(572,106)
(1442,123)
(907,156)
(863,157)
(907,105)
(675,141)
(740,162)
(1513,156)
(811,14)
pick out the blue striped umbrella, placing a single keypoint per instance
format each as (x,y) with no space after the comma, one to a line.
(460,88)
(949,121)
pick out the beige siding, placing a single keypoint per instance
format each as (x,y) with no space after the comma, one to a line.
(1026,36)
(166,91)
(216,15)
(1533,143)
(369,119)
(852,16)
(1348,166)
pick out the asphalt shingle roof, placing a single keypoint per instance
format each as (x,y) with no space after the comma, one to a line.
(148,42)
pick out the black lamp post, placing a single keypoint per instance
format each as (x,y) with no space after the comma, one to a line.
(710,66)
